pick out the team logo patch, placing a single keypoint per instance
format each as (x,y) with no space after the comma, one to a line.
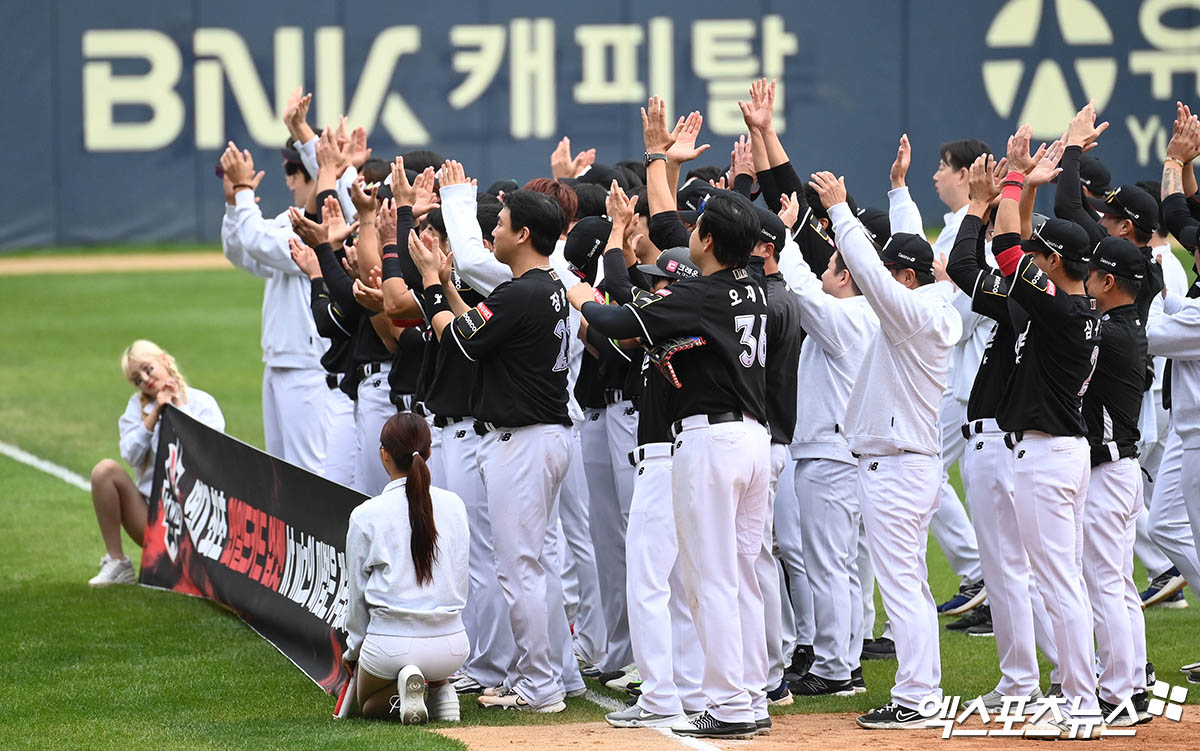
(630,411)
(484,311)
(468,324)
(641,470)
(663,293)
(1021,454)
(672,265)
(994,285)
(599,296)
(979,446)
(460,434)
(1037,278)
(874,466)
(505,436)
(679,444)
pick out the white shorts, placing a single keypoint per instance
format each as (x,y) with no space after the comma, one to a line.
(437,656)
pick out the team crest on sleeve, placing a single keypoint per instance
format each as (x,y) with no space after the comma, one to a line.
(642,298)
(468,324)
(1038,279)
(993,285)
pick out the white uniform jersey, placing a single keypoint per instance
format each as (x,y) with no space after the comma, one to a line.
(1175,333)
(138,445)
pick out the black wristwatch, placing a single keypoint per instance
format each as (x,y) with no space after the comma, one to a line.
(648,157)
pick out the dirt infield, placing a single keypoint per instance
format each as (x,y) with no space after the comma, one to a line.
(823,732)
(122,262)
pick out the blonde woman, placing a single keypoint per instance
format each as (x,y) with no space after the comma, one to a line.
(118,500)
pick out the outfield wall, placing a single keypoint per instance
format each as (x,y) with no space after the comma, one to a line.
(117,109)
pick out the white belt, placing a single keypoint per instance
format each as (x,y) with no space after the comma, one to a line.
(975,427)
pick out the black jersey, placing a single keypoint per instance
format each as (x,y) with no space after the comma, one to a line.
(1113,402)
(449,388)
(520,337)
(729,310)
(783,358)
(988,290)
(588,391)
(407,362)
(1058,338)
(654,399)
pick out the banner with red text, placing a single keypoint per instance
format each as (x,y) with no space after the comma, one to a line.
(262,537)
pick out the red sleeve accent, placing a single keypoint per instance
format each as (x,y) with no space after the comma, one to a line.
(406,323)
(1007,260)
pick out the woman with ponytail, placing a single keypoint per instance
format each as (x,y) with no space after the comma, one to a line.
(406,559)
(118,500)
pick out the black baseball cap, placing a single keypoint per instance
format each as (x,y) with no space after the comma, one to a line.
(688,216)
(503,186)
(877,224)
(1119,257)
(907,251)
(692,195)
(1094,175)
(771,228)
(586,243)
(291,155)
(1132,203)
(603,175)
(1060,236)
(672,263)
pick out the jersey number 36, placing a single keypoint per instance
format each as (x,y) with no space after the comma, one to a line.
(756,346)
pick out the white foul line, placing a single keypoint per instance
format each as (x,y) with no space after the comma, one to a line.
(50,468)
(612,705)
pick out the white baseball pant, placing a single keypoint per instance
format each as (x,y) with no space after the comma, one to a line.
(987,472)
(950,525)
(341,444)
(898,495)
(562,653)
(1050,477)
(296,416)
(1109,525)
(1169,524)
(607,522)
(660,624)
(767,570)
(371,410)
(829,522)
(866,584)
(798,606)
(585,611)
(522,470)
(720,483)
(1155,424)
(492,645)
(437,466)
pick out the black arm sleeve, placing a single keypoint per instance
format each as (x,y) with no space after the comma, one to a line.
(341,287)
(611,321)
(667,230)
(742,184)
(963,264)
(788,182)
(617,279)
(331,324)
(321,205)
(769,190)
(1068,197)
(1178,220)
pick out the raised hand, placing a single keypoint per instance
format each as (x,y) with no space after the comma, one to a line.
(830,189)
(337,229)
(903,160)
(1019,158)
(685,149)
(1185,139)
(428,260)
(329,156)
(741,159)
(1047,167)
(385,222)
(304,258)
(939,269)
(982,183)
(364,202)
(619,207)
(1083,130)
(426,200)
(368,296)
(295,114)
(789,210)
(239,166)
(760,109)
(561,163)
(310,232)
(453,173)
(358,151)
(655,135)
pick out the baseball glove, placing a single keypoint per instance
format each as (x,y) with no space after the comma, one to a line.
(661,355)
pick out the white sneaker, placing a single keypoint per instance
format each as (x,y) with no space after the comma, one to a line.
(113,571)
(636,717)
(512,700)
(443,703)
(622,684)
(409,703)
(993,700)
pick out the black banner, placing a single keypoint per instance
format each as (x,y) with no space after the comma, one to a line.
(255,534)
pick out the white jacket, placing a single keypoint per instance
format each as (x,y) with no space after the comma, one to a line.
(250,242)
(1175,333)
(894,404)
(839,331)
(139,445)
(384,595)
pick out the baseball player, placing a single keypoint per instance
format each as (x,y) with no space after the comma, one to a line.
(891,424)
(294,390)
(986,465)
(720,477)
(661,629)
(519,337)
(840,325)
(1111,408)
(1058,333)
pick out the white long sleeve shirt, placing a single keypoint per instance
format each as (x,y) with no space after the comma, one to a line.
(480,269)
(138,445)
(1174,332)
(894,404)
(839,332)
(385,597)
(250,242)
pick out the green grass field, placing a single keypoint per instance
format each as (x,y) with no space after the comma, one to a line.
(134,667)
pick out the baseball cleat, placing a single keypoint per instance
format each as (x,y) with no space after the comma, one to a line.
(636,717)
(993,701)
(705,725)
(468,685)
(969,596)
(980,616)
(856,680)
(623,681)
(815,685)
(409,703)
(510,699)
(1165,588)
(892,716)
(780,696)
(880,649)
(762,726)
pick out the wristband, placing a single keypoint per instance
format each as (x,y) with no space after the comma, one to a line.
(1015,176)
(1011,190)
(435,300)
(389,263)
(1177,161)
(249,187)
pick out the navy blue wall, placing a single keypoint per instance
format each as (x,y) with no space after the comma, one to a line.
(78,76)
